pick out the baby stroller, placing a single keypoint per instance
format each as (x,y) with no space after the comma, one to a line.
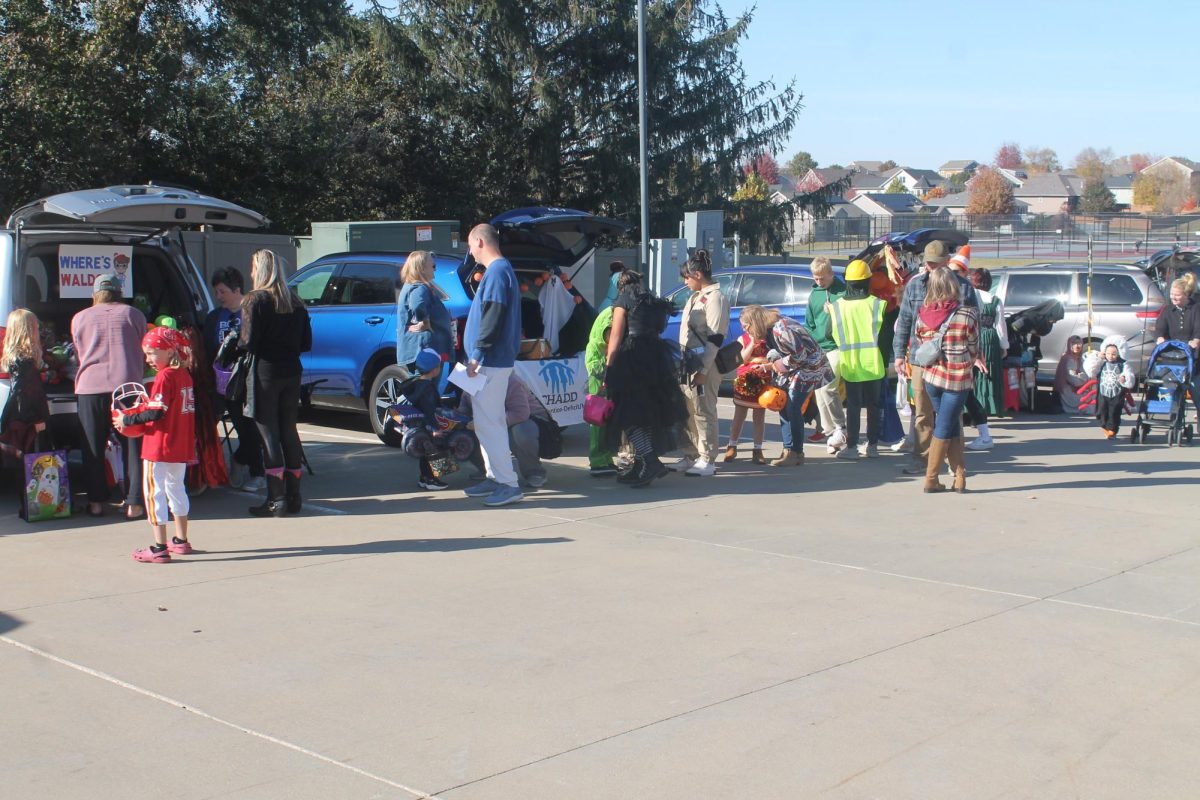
(1025,331)
(1164,394)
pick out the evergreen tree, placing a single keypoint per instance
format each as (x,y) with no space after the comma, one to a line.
(1096,197)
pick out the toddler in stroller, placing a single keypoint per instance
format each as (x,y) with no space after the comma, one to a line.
(437,437)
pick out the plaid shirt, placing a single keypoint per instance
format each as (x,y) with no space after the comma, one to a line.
(960,346)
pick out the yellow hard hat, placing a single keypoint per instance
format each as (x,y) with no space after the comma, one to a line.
(857,270)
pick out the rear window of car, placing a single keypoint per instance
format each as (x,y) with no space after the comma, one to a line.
(1110,290)
(1031,289)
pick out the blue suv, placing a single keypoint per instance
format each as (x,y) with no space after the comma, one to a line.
(351,299)
(782,286)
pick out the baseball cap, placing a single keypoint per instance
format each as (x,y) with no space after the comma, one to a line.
(935,251)
(106,283)
(427,359)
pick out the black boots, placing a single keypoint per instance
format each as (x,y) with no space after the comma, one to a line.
(291,492)
(274,505)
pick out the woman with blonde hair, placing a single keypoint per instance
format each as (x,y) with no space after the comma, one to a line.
(27,410)
(797,364)
(275,331)
(950,379)
(422,320)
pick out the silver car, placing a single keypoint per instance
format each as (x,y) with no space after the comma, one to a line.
(1125,302)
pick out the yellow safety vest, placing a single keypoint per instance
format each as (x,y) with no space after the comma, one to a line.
(856,326)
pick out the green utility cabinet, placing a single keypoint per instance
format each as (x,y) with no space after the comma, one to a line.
(438,235)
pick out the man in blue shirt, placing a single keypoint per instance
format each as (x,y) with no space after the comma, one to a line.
(491,339)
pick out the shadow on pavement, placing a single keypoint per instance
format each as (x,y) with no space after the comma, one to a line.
(374,548)
(8,623)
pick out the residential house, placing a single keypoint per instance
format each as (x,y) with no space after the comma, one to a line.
(1121,187)
(785,189)
(1177,167)
(864,183)
(916,181)
(952,205)
(1051,193)
(894,212)
(1183,167)
(952,168)
(866,166)
(816,178)
(843,220)
(1016,177)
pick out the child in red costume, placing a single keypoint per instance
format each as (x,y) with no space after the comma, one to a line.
(169,444)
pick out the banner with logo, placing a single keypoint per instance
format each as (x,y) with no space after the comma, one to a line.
(560,383)
(79,265)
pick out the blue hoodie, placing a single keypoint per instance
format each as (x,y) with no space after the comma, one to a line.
(493,331)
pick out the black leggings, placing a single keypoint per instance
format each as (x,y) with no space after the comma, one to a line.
(1108,411)
(95,418)
(277,408)
(973,411)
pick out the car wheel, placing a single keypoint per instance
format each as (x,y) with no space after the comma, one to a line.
(385,391)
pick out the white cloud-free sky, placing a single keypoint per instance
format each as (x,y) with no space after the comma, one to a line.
(925,82)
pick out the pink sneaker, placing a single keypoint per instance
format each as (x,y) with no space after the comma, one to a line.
(179,548)
(148,556)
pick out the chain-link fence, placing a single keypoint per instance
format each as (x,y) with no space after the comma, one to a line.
(1018,238)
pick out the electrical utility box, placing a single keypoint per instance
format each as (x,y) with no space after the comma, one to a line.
(706,230)
(438,235)
(667,257)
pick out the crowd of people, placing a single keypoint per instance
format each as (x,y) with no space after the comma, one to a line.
(933,343)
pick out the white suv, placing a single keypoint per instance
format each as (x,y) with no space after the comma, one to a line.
(1125,301)
(49,250)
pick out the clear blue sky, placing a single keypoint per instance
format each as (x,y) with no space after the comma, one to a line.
(925,82)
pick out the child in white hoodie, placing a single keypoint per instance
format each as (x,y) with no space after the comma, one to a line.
(1113,378)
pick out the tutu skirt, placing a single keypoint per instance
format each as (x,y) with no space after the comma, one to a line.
(642,384)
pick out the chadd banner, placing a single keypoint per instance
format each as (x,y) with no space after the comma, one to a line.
(79,265)
(560,383)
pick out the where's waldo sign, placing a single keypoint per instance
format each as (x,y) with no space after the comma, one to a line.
(79,265)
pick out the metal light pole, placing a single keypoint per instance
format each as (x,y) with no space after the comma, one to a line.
(645,168)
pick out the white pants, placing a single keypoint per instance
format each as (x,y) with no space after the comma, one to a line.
(491,425)
(163,488)
(829,401)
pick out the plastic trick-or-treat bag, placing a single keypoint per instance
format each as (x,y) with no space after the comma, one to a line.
(47,491)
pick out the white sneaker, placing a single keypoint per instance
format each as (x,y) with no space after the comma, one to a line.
(980,443)
(254,484)
(902,446)
(682,465)
(701,469)
(837,440)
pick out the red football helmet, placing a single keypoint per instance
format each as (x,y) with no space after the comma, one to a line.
(130,398)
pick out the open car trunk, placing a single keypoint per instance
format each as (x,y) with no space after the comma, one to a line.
(159,288)
(540,240)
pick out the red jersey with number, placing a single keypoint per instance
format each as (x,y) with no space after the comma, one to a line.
(172,437)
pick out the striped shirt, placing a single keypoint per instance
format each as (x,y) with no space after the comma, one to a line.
(960,346)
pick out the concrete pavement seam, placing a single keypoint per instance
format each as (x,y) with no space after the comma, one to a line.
(1050,598)
(739,696)
(205,715)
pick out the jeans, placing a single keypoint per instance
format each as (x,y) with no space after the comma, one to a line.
(860,395)
(947,409)
(276,412)
(95,417)
(791,419)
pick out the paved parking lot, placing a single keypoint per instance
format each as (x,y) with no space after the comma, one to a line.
(826,631)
